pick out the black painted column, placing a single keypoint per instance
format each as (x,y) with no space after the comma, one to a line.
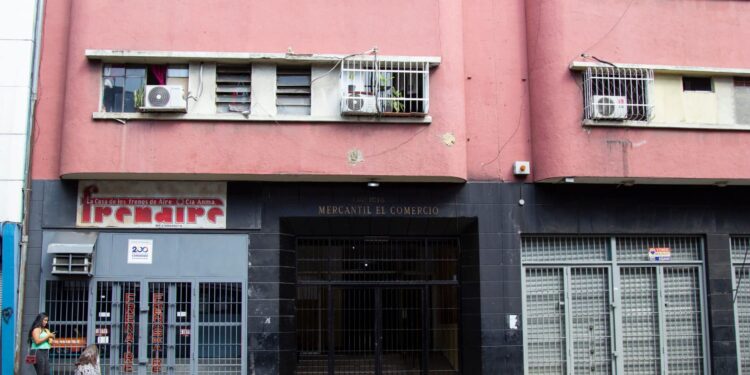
(720,305)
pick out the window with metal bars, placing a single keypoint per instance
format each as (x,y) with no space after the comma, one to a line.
(587,297)
(293,90)
(611,93)
(233,88)
(390,87)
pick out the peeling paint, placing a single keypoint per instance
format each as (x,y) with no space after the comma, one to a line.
(639,144)
(355,156)
(448,139)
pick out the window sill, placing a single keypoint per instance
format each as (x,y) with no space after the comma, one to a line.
(664,125)
(237,117)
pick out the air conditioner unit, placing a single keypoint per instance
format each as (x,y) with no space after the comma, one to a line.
(165,98)
(610,107)
(358,104)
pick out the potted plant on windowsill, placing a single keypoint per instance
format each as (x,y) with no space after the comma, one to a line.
(138,98)
(390,104)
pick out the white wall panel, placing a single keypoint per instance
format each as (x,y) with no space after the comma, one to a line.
(14,107)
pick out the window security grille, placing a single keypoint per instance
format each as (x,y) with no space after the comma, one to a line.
(233,88)
(580,310)
(392,87)
(611,93)
(293,90)
(741,81)
(740,247)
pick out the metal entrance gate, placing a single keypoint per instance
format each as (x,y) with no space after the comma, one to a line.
(587,298)
(145,327)
(377,306)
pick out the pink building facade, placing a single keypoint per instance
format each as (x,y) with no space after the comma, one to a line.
(418,187)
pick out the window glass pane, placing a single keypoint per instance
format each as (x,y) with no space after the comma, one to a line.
(117,94)
(109,91)
(132,84)
(177,71)
(696,84)
(135,71)
(114,70)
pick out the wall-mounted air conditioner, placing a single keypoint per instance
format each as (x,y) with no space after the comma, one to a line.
(165,98)
(610,107)
(358,104)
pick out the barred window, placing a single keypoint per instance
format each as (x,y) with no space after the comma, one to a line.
(611,93)
(391,87)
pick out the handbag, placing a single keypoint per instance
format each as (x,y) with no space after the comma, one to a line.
(31,357)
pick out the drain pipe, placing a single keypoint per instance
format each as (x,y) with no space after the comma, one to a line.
(38,16)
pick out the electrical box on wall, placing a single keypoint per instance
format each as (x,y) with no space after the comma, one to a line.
(521,168)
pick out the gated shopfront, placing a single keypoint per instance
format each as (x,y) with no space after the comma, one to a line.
(603,305)
(184,313)
(377,306)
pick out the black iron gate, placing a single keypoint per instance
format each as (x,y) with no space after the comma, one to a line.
(377,306)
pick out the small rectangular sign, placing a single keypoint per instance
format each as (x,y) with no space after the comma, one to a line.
(104,314)
(184,331)
(140,251)
(659,254)
(102,340)
(182,314)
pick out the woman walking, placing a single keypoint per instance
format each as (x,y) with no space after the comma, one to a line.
(41,339)
(88,363)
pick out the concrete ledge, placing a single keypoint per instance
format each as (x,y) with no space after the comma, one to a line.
(155,57)
(659,125)
(667,69)
(238,117)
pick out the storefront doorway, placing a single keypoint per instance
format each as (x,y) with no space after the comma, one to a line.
(183,313)
(377,305)
(150,327)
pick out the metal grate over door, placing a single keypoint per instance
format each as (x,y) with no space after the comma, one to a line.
(682,313)
(591,320)
(742,311)
(117,326)
(545,317)
(640,320)
(622,299)
(219,328)
(354,331)
(402,318)
(67,306)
